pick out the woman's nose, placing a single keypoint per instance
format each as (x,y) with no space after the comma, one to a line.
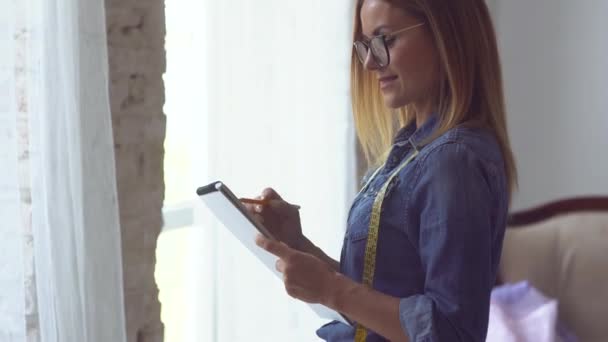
(370,62)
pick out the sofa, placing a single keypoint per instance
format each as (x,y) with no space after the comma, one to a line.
(561,248)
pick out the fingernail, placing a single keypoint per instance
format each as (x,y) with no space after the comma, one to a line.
(258,208)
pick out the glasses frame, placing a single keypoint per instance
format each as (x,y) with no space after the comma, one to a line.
(382,39)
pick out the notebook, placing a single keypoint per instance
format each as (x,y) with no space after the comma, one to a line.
(227,208)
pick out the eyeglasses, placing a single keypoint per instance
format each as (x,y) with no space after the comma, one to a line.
(378,46)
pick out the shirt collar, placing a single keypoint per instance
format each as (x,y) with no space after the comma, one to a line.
(416,136)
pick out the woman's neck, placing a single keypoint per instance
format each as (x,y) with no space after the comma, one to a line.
(421,118)
(423,113)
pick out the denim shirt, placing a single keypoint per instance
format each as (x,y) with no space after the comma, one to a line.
(440,237)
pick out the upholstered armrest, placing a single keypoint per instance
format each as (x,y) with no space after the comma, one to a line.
(565,255)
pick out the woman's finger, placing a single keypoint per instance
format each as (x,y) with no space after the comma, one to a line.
(280,266)
(283,206)
(274,247)
(248,206)
(259,218)
(271,194)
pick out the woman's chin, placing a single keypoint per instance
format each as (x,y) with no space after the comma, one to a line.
(393,102)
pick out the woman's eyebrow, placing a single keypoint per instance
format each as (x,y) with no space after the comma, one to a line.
(376,32)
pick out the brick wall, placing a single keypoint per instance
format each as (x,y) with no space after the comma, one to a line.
(136,31)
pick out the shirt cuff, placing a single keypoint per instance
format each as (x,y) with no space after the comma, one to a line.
(416,316)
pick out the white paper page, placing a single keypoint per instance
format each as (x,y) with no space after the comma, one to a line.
(232,218)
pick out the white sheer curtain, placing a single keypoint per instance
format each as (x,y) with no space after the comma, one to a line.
(12,286)
(54,72)
(257,92)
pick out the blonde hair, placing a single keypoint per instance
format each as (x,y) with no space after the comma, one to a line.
(471,90)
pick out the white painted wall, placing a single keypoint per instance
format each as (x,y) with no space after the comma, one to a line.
(555,62)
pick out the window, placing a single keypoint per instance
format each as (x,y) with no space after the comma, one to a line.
(257,95)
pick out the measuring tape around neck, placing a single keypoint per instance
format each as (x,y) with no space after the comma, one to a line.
(369,266)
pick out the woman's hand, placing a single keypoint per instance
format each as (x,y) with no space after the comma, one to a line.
(311,280)
(279,217)
(283,221)
(306,277)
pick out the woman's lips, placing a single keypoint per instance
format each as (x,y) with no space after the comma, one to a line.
(387,81)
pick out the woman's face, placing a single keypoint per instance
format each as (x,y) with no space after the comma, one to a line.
(412,75)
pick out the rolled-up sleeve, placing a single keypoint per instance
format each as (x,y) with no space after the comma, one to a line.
(457,246)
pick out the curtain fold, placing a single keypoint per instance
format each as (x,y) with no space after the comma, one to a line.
(71,274)
(12,259)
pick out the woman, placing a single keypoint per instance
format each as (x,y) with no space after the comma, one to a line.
(425,233)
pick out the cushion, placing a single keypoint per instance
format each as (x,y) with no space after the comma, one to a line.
(565,257)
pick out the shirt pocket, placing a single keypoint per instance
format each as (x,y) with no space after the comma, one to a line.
(353,257)
(371,194)
(360,214)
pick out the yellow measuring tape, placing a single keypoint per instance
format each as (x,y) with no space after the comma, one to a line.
(369,266)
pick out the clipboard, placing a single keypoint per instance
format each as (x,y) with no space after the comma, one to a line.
(229,210)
